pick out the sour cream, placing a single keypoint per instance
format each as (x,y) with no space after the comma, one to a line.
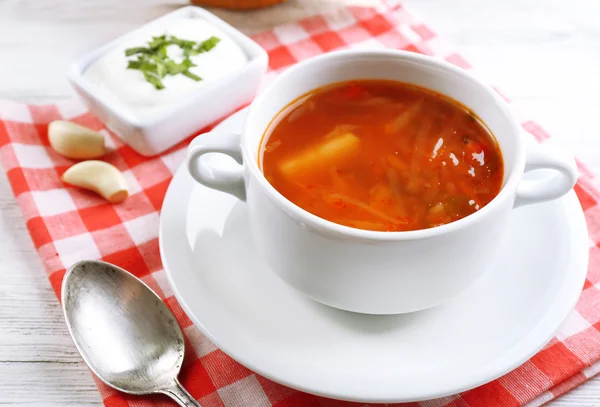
(128,87)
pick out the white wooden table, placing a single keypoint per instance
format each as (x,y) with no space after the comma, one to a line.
(545,54)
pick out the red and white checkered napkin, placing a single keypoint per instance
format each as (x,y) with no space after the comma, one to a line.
(68,225)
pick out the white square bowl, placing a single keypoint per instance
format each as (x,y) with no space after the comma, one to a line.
(179,119)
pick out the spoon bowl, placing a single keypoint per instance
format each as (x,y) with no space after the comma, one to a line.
(125,333)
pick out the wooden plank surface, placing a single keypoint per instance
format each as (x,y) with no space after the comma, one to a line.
(544,54)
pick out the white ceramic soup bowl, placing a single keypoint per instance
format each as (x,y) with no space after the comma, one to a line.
(369,271)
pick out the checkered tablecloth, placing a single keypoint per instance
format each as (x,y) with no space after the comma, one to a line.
(68,225)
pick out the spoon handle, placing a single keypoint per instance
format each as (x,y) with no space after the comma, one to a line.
(180,395)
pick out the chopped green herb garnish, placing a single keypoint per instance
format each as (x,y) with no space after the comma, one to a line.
(208,44)
(191,76)
(134,64)
(188,63)
(154,80)
(157,41)
(154,63)
(137,50)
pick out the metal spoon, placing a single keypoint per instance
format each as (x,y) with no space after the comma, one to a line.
(125,333)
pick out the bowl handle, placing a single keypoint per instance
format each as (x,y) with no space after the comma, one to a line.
(231,180)
(561,180)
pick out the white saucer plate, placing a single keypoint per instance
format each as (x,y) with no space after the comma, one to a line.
(508,315)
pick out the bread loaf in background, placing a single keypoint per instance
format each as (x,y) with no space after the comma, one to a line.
(237,4)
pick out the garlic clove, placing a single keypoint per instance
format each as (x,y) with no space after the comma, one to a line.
(100,177)
(75,141)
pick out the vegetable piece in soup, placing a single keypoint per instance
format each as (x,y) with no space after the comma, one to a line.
(383,156)
(320,157)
